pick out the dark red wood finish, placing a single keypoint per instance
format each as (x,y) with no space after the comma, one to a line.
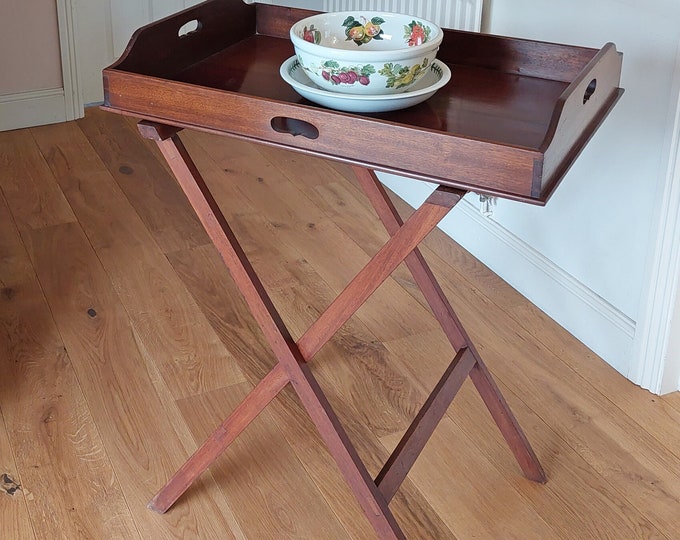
(510,122)
(373,495)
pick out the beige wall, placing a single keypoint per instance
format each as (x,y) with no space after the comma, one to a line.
(29,46)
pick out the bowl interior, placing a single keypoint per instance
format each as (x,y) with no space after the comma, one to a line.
(366,31)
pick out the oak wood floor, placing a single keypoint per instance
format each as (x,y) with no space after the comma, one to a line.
(123,343)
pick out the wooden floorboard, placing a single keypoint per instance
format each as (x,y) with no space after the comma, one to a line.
(123,343)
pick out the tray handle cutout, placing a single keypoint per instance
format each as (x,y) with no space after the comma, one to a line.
(590,90)
(191,27)
(283,124)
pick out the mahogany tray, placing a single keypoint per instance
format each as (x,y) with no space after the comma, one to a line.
(511,121)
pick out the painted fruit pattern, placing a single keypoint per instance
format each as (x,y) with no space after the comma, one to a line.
(415,33)
(399,76)
(333,73)
(311,34)
(363,31)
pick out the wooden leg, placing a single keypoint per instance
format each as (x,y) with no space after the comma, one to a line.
(293,358)
(507,423)
(480,375)
(223,436)
(384,262)
(412,443)
(372,502)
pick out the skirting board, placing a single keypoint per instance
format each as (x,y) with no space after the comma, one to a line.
(33,108)
(598,324)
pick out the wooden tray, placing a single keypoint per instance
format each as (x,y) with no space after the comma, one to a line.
(511,121)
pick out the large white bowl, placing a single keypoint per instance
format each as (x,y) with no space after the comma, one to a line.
(438,74)
(365,52)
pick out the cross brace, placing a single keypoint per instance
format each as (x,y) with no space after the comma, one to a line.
(293,357)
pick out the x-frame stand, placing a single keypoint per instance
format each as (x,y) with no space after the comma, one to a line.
(293,357)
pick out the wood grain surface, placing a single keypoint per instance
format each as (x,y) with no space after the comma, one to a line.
(492,128)
(123,343)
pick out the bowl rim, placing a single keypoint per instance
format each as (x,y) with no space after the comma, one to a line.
(364,55)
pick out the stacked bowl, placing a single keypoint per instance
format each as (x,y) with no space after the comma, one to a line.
(365,62)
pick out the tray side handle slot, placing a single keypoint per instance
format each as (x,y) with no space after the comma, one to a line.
(295,127)
(581,108)
(168,46)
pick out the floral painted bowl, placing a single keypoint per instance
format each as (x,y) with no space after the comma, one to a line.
(365,52)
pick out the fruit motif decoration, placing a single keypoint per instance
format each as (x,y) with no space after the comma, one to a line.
(364,32)
(311,34)
(399,76)
(416,34)
(333,73)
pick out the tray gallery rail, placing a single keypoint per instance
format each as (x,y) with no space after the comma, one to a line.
(510,122)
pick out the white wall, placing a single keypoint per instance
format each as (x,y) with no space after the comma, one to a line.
(671,374)
(658,335)
(583,258)
(600,223)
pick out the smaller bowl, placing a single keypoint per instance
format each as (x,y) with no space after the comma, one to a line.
(356,52)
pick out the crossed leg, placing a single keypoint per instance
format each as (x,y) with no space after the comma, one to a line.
(479,373)
(373,496)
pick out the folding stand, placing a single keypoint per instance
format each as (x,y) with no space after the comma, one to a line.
(373,495)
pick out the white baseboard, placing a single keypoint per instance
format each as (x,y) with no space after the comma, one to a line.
(32,108)
(590,318)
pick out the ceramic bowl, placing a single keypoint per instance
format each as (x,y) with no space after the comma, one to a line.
(438,74)
(365,52)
